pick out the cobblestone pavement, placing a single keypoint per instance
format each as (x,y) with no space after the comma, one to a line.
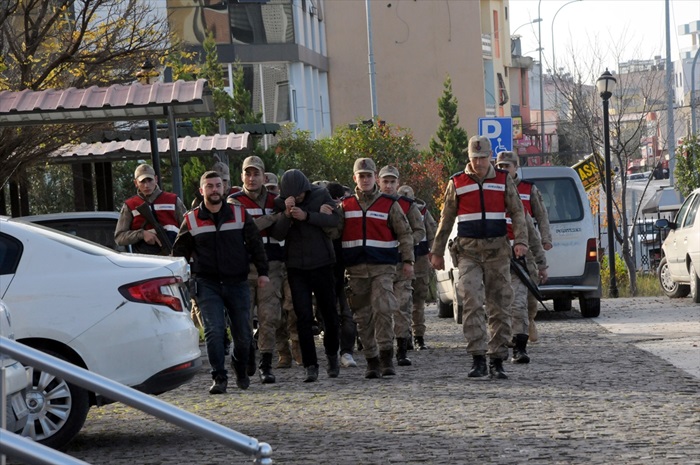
(588,396)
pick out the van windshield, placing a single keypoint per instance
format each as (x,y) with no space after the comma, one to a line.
(561,197)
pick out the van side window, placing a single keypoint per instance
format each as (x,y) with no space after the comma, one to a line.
(560,196)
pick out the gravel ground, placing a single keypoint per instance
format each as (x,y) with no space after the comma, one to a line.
(589,396)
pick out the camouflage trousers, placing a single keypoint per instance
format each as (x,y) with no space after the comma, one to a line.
(268,301)
(520,320)
(421,284)
(373,304)
(403,290)
(287,329)
(484,278)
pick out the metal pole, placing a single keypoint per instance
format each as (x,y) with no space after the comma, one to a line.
(155,152)
(539,44)
(554,59)
(671,137)
(174,155)
(370,48)
(609,201)
(693,99)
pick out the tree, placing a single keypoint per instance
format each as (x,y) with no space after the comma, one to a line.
(69,43)
(223,102)
(451,139)
(637,97)
(688,165)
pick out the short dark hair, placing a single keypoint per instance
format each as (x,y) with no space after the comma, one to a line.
(208,175)
(336,190)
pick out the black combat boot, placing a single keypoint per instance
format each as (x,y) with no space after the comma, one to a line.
(386,362)
(520,349)
(401,347)
(409,342)
(219,385)
(311,373)
(478,367)
(333,369)
(496,368)
(373,370)
(420,343)
(265,367)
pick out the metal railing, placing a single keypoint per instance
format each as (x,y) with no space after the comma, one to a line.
(113,390)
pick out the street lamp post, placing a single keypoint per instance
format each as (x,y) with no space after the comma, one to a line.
(148,75)
(554,59)
(539,48)
(605,85)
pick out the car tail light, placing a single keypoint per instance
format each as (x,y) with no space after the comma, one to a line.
(591,250)
(157,291)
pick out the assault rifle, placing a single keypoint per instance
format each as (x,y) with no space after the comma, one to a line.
(519,266)
(165,245)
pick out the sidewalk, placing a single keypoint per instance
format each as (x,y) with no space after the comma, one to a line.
(590,396)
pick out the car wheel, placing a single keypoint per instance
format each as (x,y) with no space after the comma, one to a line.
(590,307)
(57,409)
(444,309)
(456,304)
(668,286)
(694,284)
(562,304)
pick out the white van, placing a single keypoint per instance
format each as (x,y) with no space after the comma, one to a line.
(574,270)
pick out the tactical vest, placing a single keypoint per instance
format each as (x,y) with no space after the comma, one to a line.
(273,248)
(164,208)
(367,237)
(525,191)
(481,209)
(422,248)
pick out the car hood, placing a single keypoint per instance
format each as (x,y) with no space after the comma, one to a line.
(177,265)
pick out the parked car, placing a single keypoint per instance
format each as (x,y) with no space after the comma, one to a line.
(574,270)
(123,316)
(94,226)
(16,380)
(679,269)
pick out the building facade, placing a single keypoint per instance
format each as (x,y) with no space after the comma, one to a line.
(416,45)
(281,45)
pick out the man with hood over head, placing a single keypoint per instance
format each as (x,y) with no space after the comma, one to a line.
(308,212)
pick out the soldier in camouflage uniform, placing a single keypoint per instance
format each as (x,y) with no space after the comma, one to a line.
(421,269)
(529,195)
(372,226)
(403,288)
(479,198)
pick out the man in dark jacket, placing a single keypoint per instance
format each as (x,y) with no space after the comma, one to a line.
(310,258)
(217,238)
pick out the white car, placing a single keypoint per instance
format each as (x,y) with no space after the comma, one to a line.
(574,271)
(123,316)
(16,380)
(679,269)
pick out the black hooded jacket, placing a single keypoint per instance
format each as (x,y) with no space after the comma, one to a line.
(307,245)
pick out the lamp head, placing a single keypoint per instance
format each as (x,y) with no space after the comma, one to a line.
(606,84)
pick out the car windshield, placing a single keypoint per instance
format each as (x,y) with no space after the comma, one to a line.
(68,239)
(560,196)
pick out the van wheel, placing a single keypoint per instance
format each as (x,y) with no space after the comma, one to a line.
(590,307)
(670,288)
(562,304)
(694,284)
(57,408)
(444,310)
(456,304)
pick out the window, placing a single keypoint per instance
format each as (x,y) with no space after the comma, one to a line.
(10,251)
(692,212)
(496,42)
(560,196)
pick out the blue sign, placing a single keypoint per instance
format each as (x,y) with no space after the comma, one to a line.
(499,131)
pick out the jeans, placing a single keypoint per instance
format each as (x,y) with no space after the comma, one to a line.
(321,283)
(214,299)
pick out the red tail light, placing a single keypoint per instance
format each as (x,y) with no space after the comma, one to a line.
(591,250)
(151,291)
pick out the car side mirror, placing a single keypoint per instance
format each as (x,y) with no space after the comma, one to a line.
(664,224)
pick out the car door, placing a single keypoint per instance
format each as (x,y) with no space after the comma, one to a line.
(679,238)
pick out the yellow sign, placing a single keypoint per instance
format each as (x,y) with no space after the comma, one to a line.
(587,170)
(517,127)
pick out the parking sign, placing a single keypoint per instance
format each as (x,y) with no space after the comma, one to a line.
(499,131)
